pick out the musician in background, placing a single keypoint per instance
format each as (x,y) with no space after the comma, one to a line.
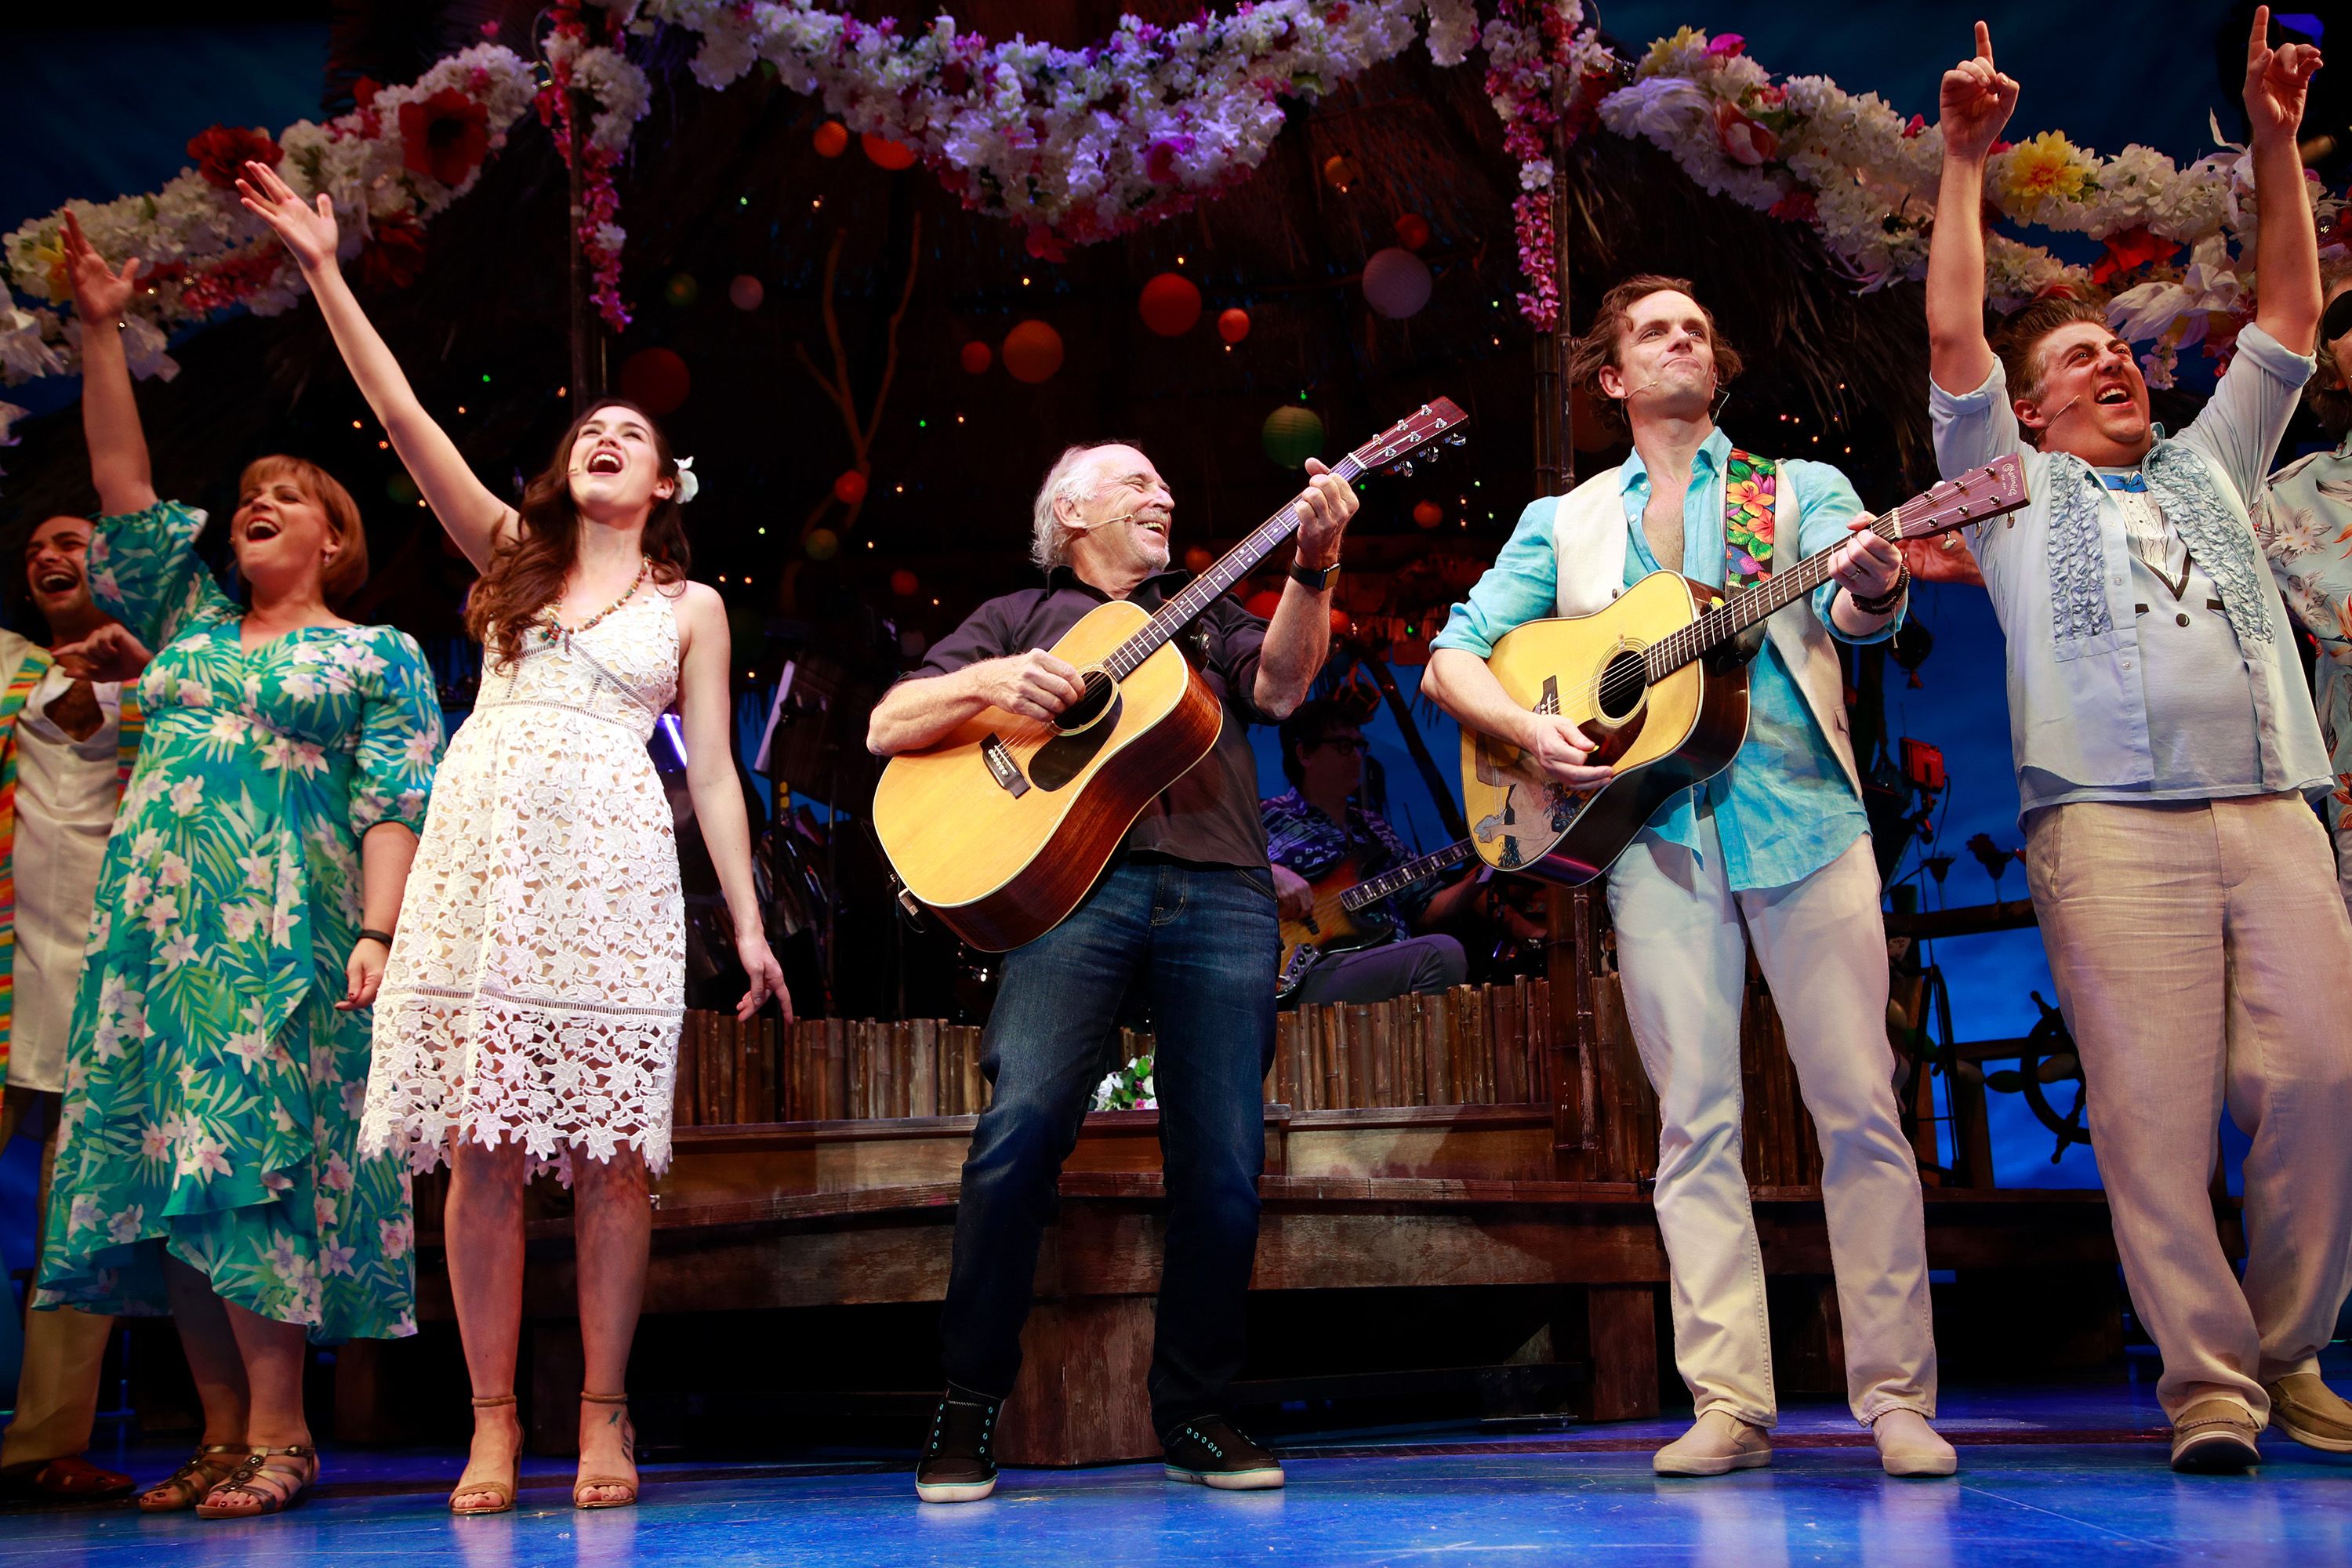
(1773,852)
(1320,826)
(1184,915)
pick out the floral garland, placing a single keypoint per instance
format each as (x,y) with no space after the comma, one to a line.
(621,96)
(1079,145)
(1128,1088)
(397,159)
(1542,73)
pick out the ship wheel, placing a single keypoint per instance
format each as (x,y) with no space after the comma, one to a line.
(2048,1058)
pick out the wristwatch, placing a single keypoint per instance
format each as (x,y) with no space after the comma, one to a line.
(1315,579)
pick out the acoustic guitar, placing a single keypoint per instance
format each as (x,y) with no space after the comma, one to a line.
(1659,681)
(1341,894)
(1003,825)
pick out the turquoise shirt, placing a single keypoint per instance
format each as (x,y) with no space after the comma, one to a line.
(1784,808)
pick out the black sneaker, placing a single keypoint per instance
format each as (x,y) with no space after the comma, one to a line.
(956,1466)
(1209,1452)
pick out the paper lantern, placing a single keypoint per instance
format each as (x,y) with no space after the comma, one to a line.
(1396,283)
(832,139)
(1427,513)
(887,154)
(1292,434)
(746,292)
(1233,325)
(1200,557)
(1263,603)
(976,357)
(1339,172)
(903,583)
(1032,351)
(656,380)
(401,489)
(849,487)
(681,290)
(1340,624)
(822,543)
(1171,304)
(1412,230)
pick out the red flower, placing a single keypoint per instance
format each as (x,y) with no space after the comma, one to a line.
(222,154)
(394,256)
(363,92)
(1746,141)
(445,136)
(2129,252)
(1915,126)
(1797,206)
(1723,45)
(230,280)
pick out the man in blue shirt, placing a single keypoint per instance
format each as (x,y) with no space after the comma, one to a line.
(1773,852)
(2165,743)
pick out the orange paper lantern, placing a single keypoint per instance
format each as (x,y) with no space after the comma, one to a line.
(832,139)
(1233,325)
(849,487)
(822,543)
(1032,351)
(1412,231)
(903,583)
(887,154)
(656,380)
(1262,603)
(1171,304)
(1199,559)
(1340,624)
(976,357)
(1428,513)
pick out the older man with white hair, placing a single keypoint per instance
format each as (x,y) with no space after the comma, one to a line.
(1184,917)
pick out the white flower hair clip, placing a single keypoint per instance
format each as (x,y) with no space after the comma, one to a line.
(687,485)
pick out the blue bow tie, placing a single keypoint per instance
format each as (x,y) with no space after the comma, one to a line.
(2136,483)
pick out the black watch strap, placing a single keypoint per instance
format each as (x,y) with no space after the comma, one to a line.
(382,936)
(1316,579)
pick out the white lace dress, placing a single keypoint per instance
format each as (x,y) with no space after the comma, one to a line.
(538,978)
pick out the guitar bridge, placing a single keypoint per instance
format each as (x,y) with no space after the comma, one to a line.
(1003,768)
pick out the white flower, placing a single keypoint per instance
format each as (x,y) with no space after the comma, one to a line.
(186,794)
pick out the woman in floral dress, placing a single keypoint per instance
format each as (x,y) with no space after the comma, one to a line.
(531,1010)
(209,1159)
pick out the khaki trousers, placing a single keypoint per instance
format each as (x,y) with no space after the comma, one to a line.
(1682,949)
(57,1394)
(2203,959)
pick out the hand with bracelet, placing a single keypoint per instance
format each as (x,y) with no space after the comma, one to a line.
(365,969)
(1871,572)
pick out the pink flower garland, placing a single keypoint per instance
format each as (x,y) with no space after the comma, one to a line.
(599,222)
(1532,66)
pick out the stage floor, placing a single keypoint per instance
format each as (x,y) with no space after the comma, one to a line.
(2068,1476)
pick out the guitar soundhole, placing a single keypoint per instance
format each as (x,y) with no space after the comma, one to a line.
(1090,706)
(1624,680)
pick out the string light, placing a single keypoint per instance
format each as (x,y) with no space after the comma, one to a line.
(355,424)
(461,408)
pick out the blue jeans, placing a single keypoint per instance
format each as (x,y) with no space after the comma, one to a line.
(1199,944)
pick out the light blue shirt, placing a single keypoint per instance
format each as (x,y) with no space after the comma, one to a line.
(1784,808)
(2079,703)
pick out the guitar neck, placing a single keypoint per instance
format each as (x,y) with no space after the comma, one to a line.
(1201,592)
(1396,878)
(1739,611)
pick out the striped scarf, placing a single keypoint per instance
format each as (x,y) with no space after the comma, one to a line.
(12,704)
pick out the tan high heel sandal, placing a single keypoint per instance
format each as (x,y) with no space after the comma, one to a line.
(272,1488)
(503,1490)
(628,1445)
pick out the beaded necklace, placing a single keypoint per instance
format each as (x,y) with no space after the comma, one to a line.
(555,628)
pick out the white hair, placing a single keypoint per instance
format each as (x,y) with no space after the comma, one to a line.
(1068,479)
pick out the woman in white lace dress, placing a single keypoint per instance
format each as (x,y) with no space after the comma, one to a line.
(530,1008)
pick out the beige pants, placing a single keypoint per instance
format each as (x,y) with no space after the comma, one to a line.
(2204,959)
(1682,950)
(57,1394)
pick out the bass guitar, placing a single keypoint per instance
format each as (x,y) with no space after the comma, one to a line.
(1659,681)
(1341,894)
(1003,825)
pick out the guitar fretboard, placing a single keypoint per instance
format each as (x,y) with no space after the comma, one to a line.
(1741,610)
(1396,878)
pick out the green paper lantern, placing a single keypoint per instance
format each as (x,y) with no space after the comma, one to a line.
(1292,435)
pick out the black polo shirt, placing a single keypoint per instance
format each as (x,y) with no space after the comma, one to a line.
(1209,817)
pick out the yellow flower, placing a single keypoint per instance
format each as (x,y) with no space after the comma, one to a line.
(49,257)
(2048,166)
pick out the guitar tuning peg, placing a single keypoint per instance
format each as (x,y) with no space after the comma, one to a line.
(1457,439)
(1404,469)
(1432,454)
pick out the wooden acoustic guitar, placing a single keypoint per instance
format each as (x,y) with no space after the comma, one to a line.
(1659,681)
(1003,825)
(1341,894)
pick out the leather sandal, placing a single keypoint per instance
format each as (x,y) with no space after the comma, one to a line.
(503,1490)
(194,1481)
(628,1451)
(273,1488)
(69,1478)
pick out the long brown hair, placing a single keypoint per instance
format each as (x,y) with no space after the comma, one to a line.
(526,573)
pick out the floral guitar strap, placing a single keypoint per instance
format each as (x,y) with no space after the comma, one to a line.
(1751,488)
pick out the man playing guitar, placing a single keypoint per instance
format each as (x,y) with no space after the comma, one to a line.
(1773,852)
(1184,916)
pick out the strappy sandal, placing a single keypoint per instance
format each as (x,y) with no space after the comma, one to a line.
(274,1487)
(503,1490)
(194,1481)
(628,1451)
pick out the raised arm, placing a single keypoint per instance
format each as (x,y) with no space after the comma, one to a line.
(109,412)
(1974,104)
(476,518)
(2286,246)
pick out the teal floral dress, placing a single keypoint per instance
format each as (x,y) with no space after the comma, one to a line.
(213,1093)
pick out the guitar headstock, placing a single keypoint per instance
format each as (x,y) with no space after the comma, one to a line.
(1997,487)
(1426,432)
